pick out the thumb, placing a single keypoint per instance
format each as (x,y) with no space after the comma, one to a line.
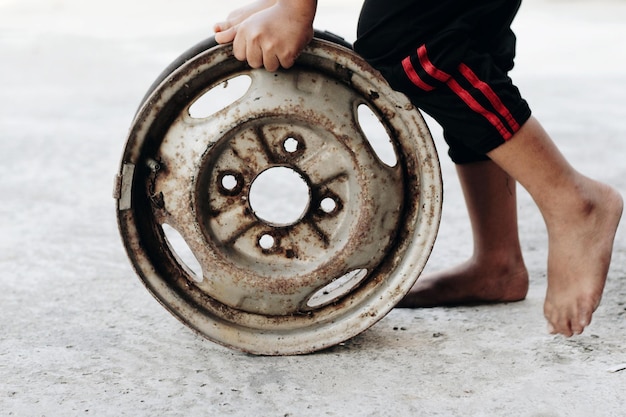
(225,36)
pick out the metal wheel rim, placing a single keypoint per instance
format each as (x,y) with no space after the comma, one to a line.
(277,330)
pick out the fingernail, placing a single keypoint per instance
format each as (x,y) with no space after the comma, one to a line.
(551,329)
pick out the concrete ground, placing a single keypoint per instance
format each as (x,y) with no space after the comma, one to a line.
(80,335)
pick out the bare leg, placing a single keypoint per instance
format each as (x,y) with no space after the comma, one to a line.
(581,216)
(496,270)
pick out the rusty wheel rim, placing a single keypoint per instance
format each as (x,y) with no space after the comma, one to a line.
(265,286)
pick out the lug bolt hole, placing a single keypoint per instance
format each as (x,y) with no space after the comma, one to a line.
(230,183)
(267,242)
(292,145)
(328,205)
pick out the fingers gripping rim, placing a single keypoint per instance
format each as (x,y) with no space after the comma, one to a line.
(363,240)
(209,43)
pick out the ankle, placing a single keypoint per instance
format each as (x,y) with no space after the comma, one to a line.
(585,202)
(502,262)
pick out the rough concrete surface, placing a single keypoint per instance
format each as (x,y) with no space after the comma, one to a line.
(81,336)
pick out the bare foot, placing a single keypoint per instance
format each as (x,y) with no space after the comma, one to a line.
(472,282)
(580,248)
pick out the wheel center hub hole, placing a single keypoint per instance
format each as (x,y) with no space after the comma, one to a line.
(280,196)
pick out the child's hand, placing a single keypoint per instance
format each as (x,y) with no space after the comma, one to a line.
(269,33)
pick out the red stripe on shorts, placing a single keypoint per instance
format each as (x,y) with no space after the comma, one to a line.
(473,104)
(462,93)
(491,95)
(413,76)
(429,67)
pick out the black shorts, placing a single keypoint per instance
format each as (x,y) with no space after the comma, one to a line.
(451,58)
